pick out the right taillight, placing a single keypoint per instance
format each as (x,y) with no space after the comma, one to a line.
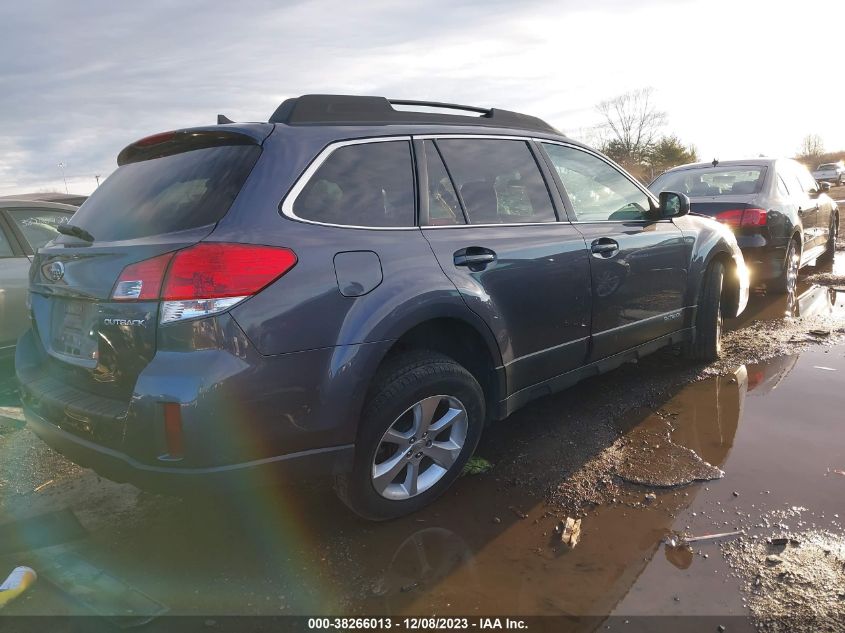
(742,217)
(203,279)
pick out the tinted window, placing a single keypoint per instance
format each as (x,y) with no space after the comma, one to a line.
(443,205)
(597,190)
(369,184)
(712,181)
(38,225)
(499,181)
(166,194)
(794,184)
(808,183)
(5,247)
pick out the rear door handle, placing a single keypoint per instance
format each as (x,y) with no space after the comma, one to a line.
(474,257)
(604,247)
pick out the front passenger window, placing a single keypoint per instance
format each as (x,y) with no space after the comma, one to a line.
(598,191)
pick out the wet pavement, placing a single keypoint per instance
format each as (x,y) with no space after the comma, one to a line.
(652,450)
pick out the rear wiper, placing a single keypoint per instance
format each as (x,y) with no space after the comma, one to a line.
(75,231)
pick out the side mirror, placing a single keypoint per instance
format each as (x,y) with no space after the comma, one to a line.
(673,205)
(824,187)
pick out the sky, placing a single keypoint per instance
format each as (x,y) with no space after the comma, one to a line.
(80,81)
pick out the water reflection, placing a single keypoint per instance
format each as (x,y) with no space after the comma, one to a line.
(468,564)
(423,559)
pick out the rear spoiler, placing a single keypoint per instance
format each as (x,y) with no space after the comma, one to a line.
(185,140)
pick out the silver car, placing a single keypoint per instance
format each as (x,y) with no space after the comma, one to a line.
(25,226)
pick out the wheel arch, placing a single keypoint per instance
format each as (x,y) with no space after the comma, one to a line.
(470,344)
(731,287)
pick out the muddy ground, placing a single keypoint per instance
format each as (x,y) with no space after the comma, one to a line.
(645,456)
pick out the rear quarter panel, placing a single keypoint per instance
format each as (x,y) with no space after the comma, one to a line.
(305,309)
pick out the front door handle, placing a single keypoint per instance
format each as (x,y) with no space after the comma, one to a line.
(604,247)
(474,257)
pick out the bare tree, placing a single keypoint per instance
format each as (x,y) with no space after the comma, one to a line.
(811,146)
(634,123)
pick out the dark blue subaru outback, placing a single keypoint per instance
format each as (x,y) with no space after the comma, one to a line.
(354,289)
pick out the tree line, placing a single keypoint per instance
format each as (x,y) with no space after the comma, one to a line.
(812,152)
(631,133)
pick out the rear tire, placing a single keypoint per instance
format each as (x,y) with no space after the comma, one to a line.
(707,343)
(785,283)
(399,467)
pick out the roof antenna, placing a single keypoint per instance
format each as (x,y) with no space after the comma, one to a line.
(714,163)
(222,119)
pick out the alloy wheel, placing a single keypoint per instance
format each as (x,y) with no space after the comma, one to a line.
(419,447)
(793,259)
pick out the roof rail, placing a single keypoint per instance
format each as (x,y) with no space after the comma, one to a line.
(360,110)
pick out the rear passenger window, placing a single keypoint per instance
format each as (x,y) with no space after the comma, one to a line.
(808,183)
(367,184)
(498,180)
(443,206)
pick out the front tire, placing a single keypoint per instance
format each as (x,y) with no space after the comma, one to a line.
(421,423)
(707,344)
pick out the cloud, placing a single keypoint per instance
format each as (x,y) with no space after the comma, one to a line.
(82,80)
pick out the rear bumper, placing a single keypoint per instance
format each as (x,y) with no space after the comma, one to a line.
(296,467)
(763,259)
(245,418)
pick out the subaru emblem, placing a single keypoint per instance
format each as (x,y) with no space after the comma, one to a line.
(54,271)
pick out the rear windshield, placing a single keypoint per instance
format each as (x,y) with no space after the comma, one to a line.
(828,166)
(712,181)
(167,194)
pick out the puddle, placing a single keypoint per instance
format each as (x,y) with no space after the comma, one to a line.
(650,455)
(767,438)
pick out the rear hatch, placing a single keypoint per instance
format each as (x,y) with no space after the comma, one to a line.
(168,193)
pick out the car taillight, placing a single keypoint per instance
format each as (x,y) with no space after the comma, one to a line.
(203,279)
(742,217)
(142,281)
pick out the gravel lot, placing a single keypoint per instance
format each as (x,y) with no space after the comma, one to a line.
(653,452)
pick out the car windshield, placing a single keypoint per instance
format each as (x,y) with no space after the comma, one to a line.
(712,181)
(828,166)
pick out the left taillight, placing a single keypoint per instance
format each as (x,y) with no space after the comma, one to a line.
(203,279)
(142,281)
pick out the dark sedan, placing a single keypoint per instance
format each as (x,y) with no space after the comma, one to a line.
(782,218)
